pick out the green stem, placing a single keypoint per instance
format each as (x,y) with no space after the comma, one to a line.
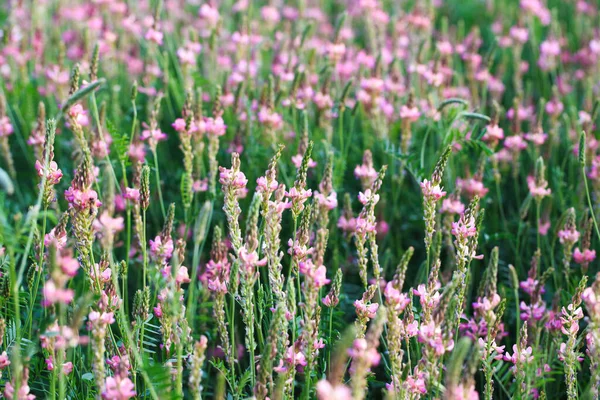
(157,175)
(590,205)
(38,277)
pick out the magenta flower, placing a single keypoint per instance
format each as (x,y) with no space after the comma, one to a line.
(215,126)
(158,249)
(132,195)
(54,295)
(433,191)
(326,391)
(6,127)
(330,202)
(464,228)
(107,225)
(117,388)
(584,257)
(411,114)
(179,125)
(52,172)
(538,191)
(493,133)
(365,310)
(155,36)
(452,206)
(4,360)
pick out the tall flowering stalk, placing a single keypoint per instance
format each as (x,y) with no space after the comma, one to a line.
(197,360)
(271,356)
(364,355)
(396,303)
(249,261)
(234,183)
(184,127)
(570,327)
(568,235)
(366,230)
(217,278)
(272,212)
(591,300)
(432,193)
(83,202)
(465,232)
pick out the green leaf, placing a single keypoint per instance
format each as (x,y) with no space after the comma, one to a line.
(88,376)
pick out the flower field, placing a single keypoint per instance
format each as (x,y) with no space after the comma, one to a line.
(281,199)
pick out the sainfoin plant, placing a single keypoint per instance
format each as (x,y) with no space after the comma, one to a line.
(356,199)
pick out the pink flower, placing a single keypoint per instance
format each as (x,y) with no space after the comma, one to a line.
(569,236)
(53,295)
(367,197)
(68,265)
(159,249)
(515,143)
(366,173)
(186,57)
(320,276)
(451,206)
(365,310)
(326,391)
(330,202)
(6,127)
(182,275)
(132,195)
(137,152)
(215,126)
(493,133)
(270,14)
(464,228)
(153,135)
(264,186)
(544,227)
(433,191)
(538,191)
(53,174)
(117,388)
(472,186)
(235,179)
(107,225)
(179,125)
(347,225)
(416,386)
(209,15)
(330,300)
(59,241)
(584,257)
(297,161)
(78,114)
(360,349)
(82,200)
(103,276)
(250,260)
(395,298)
(4,361)
(411,114)
(538,138)
(431,335)
(67,368)
(550,48)
(155,36)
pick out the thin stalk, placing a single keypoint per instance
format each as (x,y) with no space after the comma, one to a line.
(38,277)
(589,200)
(157,175)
